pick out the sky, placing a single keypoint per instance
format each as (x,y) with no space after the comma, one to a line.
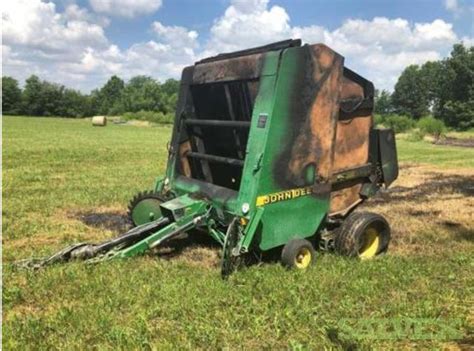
(82,43)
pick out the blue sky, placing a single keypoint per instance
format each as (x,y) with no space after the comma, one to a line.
(81,43)
(199,15)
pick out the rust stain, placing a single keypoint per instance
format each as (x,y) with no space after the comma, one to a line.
(246,67)
(344,199)
(314,145)
(351,148)
(352,143)
(183,149)
(351,89)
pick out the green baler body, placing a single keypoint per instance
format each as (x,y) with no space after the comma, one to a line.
(280,136)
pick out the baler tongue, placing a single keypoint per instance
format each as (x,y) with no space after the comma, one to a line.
(179,215)
(183,213)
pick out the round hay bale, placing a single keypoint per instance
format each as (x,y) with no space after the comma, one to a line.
(99,121)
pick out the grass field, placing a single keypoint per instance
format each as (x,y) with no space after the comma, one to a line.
(64,181)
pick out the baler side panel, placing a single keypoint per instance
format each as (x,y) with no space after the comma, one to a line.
(352,141)
(298,154)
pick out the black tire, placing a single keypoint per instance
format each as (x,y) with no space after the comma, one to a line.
(143,195)
(362,234)
(298,253)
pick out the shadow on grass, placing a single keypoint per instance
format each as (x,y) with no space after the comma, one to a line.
(459,231)
(186,241)
(437,183)
(452,187)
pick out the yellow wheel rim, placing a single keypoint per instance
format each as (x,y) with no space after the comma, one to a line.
(303,258)
(370,244)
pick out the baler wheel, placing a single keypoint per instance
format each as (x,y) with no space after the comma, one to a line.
(362,234)
(298,253)
(144,207)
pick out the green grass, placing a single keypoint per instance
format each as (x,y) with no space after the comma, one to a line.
(56,169)
(439,155)
(465,134)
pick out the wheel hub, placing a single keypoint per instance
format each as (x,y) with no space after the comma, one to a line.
(370,244)
(145,208)
(303,258)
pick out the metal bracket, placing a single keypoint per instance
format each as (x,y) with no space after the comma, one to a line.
(250,230)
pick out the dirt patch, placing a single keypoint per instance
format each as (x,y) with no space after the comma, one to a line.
(113,220)
(196,249)
(451,141)
(65,227)
(431,211)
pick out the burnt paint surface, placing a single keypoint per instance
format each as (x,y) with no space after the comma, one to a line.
(351,146)
(324,137)
(241,68)
(313,111)
(328,126)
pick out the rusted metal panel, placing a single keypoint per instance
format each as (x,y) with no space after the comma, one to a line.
(240,68)
(184,148)
(351,146)
(351,89)
(352,134)
(352,143)
(314,111)
(343,200)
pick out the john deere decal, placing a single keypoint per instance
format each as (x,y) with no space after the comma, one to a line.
(282,196)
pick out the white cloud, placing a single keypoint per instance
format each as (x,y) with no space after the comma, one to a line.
(247,24)
(125,8)
(378,49)
(461,10)
(175,35)
(451,5)
(71,47)
(42,41)
(74,12)
(32,23)
(10,58)
(468,41)
(381,48)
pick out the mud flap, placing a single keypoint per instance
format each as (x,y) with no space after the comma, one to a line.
(383,151)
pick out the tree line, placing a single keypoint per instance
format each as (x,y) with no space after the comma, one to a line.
(443,89)
(42,98)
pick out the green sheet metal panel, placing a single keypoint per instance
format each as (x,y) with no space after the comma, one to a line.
(295,204)
(258,134)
